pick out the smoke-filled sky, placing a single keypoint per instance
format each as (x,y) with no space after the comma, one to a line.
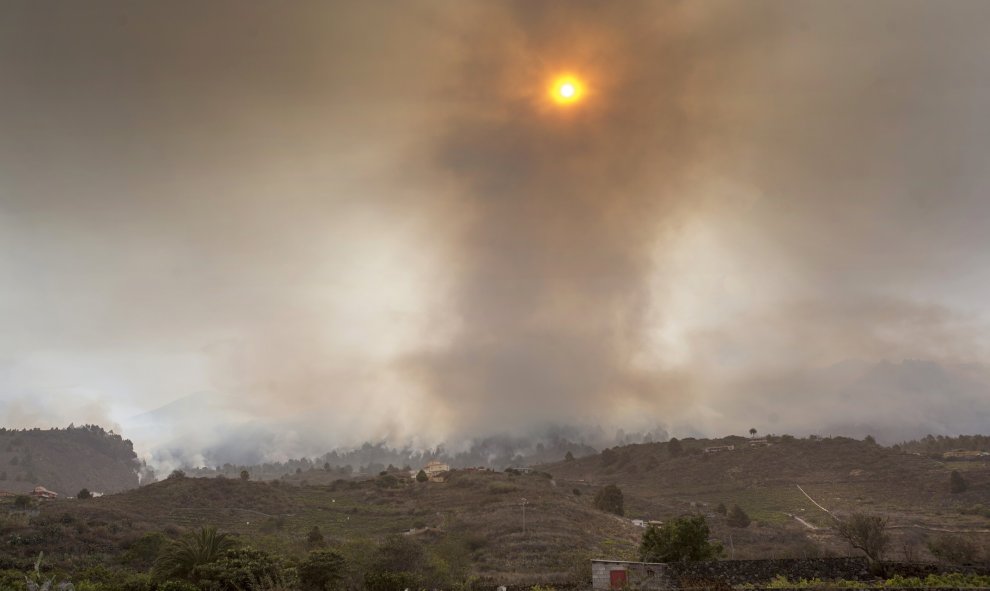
(303,225)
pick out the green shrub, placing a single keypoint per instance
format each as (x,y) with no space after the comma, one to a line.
(321,571)
(684,539)
(390,581)
(143,551)
(315,536)
(239,568)
(179,559)
(501,488)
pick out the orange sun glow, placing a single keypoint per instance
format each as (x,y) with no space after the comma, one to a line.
(566,89)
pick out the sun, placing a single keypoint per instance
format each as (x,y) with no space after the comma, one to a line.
(565,90)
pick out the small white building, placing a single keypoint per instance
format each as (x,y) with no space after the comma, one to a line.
(436,471)
(41,492)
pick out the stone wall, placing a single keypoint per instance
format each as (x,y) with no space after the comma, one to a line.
(660,576)
(738,572)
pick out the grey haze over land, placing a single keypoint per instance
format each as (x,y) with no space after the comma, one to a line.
(285,228)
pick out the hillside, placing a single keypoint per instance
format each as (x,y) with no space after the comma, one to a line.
(477,517)
(843,475)
(66,460)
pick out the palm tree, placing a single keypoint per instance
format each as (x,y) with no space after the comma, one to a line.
(181,557)
(752,432)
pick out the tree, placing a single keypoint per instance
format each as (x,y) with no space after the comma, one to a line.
(241,568)
(752,431)
(181,557)
(737,517)
(609,499)
(245,475)
(609,457)
(684,539)
(321,571)
(176,475)
(421,476)
(84,494)
(954,549)
(674,447)
(398,553)
(957,483)
(568,457)
(721,510)
(315,536)
(867,533)
(869,440)
(22,501)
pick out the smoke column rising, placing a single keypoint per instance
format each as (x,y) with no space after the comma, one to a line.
(565,204)
(259,230)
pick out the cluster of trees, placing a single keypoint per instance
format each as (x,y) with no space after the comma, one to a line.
(208,559)
(496,452)
(610,500)
(939,444)
(688,538)
(211,560)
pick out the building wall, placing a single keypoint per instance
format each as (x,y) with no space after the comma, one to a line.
(639,575)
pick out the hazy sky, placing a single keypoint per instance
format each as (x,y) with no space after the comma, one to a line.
(354,220)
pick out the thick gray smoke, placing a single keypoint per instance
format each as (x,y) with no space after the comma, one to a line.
(269,231)
(565,204)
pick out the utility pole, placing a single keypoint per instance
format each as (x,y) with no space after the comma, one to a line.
(524,515)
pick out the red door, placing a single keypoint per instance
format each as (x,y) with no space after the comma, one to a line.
(617,578)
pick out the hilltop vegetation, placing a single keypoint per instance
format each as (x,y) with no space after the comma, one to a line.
(67,460)
(371,458)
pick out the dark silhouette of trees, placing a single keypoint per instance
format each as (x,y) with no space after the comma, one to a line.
(609,499)
(245,475)
(609,457)
(421,476)
(315,536)
(957,483)
(84,494)
(737,517)
(322,570)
